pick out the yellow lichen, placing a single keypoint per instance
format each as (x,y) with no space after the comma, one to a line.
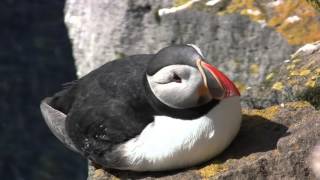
(212,170)
(242,87)
(268,113)
(269,76)
(317,71)
(278,86)
(98,173)
(296,20)
(293,81)
(311,83)
(296,61)
(254,69)
(294,73)
(304,72)
(246,7)
(271,112)
(291,66)
(180,2)
(315,4)
(298,105)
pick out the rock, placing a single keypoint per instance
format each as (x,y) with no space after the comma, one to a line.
(315,4)
(104,30)
(315,161)
(273,143)
(280,119)
(295,79)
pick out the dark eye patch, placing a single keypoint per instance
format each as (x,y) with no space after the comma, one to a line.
(176,78)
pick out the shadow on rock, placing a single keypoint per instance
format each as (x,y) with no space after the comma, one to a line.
(257,134)
(311,95)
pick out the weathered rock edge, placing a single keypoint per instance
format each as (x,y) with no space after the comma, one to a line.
(273,143)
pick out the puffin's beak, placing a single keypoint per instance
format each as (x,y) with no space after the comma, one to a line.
(217,83)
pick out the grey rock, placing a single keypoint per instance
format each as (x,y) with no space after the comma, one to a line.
(298,79)
(273,143)
(105,30)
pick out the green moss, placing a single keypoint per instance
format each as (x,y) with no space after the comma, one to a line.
(119,55)
(315,4)
(270,78)
(179,2)
(311,95)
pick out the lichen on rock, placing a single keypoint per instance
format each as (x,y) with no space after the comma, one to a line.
(280,95)
(296,79)
(272,143)
(296,20)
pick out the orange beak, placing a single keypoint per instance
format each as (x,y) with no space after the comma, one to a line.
(217,83)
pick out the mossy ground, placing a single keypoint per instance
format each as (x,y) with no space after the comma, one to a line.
(258,122)
(211,170)
(295,79)
(296,20)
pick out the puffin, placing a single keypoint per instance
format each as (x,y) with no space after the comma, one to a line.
(148,112)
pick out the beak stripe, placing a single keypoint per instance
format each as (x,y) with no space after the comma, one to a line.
(227,84)
(202,73)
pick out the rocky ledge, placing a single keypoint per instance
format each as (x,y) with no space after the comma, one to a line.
(275,140)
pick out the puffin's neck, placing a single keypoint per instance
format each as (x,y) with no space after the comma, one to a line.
(164,110)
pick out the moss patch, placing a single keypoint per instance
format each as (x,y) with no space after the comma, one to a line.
(241,86)
(180,2)
(312,95)
(119,55)
(212,170)
(296,20)
(297,105)
(315,4)
(268,113)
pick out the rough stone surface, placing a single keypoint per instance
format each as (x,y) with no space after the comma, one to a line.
(294,79)
(104,30)
(273,143)
(277,134)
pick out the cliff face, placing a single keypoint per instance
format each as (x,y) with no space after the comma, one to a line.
(102,31)
(250,41)
(274,142)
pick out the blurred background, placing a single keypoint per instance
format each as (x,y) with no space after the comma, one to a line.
(35,59)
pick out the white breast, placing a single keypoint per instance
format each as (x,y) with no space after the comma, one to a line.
(170,143)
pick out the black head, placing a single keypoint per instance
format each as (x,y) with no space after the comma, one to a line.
(180,79)
(174,55)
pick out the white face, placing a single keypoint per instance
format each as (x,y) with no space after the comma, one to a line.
(178,86)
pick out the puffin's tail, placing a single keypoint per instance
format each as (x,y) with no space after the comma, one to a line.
(56,121)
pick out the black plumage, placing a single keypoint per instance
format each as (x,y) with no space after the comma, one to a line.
(114,103)
(106,107)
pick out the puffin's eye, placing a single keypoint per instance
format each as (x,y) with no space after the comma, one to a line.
(176,78)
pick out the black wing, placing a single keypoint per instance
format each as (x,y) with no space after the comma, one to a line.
(97,130)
